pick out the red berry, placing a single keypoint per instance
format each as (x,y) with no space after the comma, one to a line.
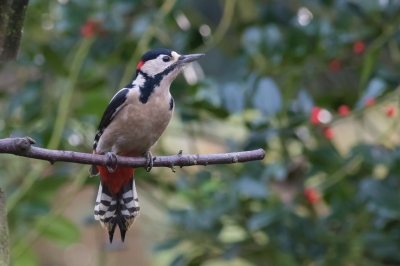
(328,132)
(312,195)
(334,65)
(344,110)
(314,115)
(390,111)
(370,102)
(86,31)
(359,47)
(90,28)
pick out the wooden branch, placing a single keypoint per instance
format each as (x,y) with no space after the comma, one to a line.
(22,147)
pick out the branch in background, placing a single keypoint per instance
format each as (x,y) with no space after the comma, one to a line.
(4,245)
(12,15)
(4,14)
(22,147)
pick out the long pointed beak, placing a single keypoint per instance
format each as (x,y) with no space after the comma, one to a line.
(185,59)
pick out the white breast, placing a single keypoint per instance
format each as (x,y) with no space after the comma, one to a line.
(137,127)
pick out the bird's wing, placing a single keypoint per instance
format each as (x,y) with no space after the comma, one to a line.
(115,105)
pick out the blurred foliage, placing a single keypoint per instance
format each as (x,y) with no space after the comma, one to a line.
(268,65)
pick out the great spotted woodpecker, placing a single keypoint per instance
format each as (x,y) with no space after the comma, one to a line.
(131,124)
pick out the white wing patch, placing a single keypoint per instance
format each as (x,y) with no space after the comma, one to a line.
(117,94)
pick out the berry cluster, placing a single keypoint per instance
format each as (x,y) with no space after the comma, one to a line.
(321,116)
(358,48)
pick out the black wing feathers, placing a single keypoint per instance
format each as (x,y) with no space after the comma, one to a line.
(111,110)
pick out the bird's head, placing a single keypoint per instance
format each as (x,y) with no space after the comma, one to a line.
(164,63)
(156,71)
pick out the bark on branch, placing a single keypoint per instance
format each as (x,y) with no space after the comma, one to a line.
(12,16)
(22,147)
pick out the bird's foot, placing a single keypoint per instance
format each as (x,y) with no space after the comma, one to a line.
(149,161)
(114,161)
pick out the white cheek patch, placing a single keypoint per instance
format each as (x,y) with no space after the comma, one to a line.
(153,67)
(157,65)
(140,80)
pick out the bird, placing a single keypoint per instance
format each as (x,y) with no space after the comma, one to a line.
(131,125)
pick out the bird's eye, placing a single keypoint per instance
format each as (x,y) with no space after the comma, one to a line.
(166,58)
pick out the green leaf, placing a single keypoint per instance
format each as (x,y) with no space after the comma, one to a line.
(262,219)
(267,98)
(251,187)
(369,63)
(381,246)
(251,40)
(45,188)
(93,99)
(216,111)
(32,207)
(232,234)
(59,230)
(168,244)
(375,88)
(382,197)
(276,170)
(305,101)
(272,35)
(27,258)
(178,261)
(140,25)
(54,61)
(233,97)
(231,252)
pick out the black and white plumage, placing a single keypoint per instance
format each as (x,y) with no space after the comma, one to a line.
(116,103)
(132,123)
(119,209)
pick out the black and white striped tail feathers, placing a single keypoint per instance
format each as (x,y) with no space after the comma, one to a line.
(120,209)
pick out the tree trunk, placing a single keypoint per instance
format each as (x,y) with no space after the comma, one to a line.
(12,15)
(4,246)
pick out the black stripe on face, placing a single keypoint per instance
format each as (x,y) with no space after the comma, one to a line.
(152,82)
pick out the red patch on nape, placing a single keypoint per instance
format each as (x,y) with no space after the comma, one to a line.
(141,63)
(114,181)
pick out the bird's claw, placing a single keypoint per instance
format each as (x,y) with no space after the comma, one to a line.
(114,161)
(149,161)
